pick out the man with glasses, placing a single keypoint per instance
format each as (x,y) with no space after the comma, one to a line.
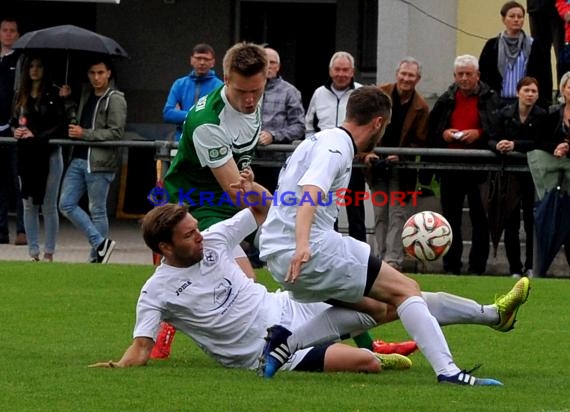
(186,90)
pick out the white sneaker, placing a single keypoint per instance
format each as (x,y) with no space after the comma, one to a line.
(529,273)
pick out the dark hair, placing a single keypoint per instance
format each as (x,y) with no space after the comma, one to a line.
(25,88)
(525,81)
(366,103)
(247,59)
(511,5)
(100,59)
(203,48)
(158,224)
(10,19)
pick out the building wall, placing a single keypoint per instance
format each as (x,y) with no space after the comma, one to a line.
(159,37)
(404,30)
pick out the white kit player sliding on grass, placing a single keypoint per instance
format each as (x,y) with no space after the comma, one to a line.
(315,263)
(201,290)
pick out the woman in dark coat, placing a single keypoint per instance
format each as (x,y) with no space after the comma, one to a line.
(519,125)
(39,115)
(512,55)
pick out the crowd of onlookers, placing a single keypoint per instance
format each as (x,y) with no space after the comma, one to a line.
(35,110)
(500,101)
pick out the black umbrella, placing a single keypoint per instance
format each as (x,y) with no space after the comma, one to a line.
(503,197)
(552,223)
(68,38)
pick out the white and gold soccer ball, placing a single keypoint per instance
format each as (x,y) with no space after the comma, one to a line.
(427,236)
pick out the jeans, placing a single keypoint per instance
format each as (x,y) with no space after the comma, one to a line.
(49,209)
(9,187)
(389,221)
(78,181)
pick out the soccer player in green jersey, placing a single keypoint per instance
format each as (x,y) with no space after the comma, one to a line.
(218,141)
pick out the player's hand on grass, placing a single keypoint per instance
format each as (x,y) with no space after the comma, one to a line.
(301,256)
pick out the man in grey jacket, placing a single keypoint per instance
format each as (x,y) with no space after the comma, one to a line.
(102,114)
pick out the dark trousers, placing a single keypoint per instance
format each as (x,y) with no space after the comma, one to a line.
(9,187)
(455,186)
(355,214)
(513,223)
(547,27)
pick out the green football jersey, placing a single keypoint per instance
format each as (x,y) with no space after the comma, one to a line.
(213,133)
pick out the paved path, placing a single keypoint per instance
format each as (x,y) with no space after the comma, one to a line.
(73,247)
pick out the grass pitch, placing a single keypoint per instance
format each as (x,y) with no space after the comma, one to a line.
(58,318)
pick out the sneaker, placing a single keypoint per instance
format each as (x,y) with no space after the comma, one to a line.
(516,276)
(465,378)
(275,352)
(394,361)
(508,305)
(529,273)
(402,348)
(104,250)
(161,349)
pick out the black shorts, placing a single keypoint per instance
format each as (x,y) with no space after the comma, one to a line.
(374,265)
(314,360)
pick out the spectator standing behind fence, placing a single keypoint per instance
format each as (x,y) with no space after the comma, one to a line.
(564,53)
(547,29)
(186,90)
(512,55)
(39,115)
(9,185)
(408,128)
(102,114)
(327,110)
(556,142)
(462,119)
(519,125)
(283,119)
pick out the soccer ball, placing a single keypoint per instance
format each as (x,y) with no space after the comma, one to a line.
(427,236)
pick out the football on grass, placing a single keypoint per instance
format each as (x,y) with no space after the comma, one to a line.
(427,236)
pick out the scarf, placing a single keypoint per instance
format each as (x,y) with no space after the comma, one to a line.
(510,48)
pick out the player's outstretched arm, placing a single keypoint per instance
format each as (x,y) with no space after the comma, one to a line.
(137,354)
(251,192)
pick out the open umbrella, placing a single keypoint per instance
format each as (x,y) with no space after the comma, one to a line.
(68,38)
(552,223)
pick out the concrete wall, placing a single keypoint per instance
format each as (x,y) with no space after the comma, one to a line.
(404,30)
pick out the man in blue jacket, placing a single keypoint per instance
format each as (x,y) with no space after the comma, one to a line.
(186,90)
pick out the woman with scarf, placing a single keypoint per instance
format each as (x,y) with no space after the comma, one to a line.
(512,55)
(38,116)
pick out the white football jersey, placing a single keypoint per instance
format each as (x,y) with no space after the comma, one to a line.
(213,302)
(323,160)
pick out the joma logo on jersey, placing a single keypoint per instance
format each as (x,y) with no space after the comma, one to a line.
(182,287)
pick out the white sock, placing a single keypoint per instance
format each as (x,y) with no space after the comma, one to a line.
(331,325)
(452,309)
(424,329)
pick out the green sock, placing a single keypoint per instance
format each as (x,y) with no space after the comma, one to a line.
(364,340)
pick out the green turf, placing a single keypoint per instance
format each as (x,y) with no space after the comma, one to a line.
(58,318)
